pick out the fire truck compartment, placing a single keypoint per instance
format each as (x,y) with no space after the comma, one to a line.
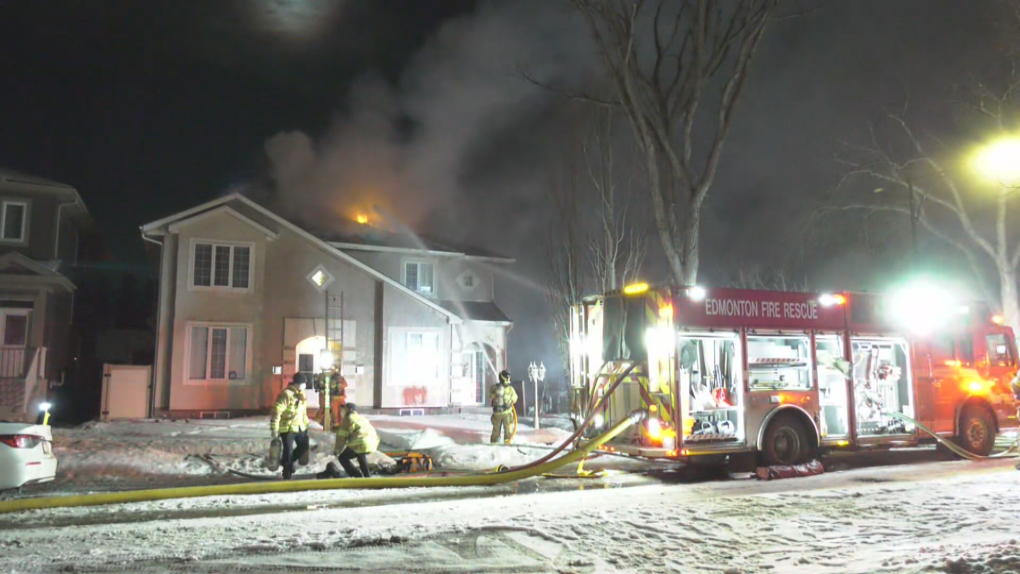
(710,387)
(882,383)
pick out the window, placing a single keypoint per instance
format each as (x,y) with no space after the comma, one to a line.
(320,278)
(15,329)
(12,227)
(306,363)
(221,266)
(418,277)
(423,353)
(467,280)
(218,353)
(999,353)
(780,362)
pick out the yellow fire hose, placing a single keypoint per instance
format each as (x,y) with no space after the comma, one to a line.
(514,434)
(486,479)
(955,448)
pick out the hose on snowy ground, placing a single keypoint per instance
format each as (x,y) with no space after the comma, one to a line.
(955,448)
(487,479)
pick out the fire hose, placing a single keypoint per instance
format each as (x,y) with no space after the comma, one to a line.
(486,479)
(953,447)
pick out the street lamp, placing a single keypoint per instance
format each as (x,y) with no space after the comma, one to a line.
(536,373)
(1000,161)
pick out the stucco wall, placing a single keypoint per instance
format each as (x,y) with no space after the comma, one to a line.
(447,271)
(220,306)
(401,314)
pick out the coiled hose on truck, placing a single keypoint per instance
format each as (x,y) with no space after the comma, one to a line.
(483,479)
(953,447)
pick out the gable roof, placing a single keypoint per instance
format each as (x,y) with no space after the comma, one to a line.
(33,269)
(156,228)
(373,239)
(12,176)
(227,210)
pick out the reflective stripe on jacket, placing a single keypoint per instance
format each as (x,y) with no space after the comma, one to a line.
(357,433)
(290,412)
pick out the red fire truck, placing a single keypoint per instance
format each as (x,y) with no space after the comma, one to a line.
(723,372)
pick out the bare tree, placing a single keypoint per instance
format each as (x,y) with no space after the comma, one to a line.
(564,247)
(775,279)
(665,61)
(916,180)
(615,250)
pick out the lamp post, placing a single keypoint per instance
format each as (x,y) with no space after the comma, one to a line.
(536,374)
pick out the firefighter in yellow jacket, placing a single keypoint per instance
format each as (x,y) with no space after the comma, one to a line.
(289,423)
(502,397)
(355,439)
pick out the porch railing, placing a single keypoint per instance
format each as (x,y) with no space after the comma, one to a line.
(14,361)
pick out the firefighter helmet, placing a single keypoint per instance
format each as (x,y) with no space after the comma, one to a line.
(504,376)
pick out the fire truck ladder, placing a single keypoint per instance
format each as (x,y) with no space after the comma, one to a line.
(335,346)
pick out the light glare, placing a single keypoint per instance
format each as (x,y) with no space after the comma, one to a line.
(1000,161)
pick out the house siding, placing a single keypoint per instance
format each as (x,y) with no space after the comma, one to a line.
(284,308)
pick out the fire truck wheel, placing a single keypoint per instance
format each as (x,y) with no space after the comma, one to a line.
(977,431)
(786,442)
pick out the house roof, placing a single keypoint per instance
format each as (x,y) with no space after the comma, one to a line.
(372,237)
(157,227)
(12,176)
(32,270)
(482,311)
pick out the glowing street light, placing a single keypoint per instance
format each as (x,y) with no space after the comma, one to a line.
(1000,161)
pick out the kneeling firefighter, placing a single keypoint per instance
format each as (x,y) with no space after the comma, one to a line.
(502,397)
(355,438)
(289,424)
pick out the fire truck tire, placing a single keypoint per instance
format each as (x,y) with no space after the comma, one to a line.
(786,442)
(977,431)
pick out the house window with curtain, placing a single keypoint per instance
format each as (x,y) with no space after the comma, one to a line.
(218,352)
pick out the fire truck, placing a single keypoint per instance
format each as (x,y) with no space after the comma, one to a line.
(780,376)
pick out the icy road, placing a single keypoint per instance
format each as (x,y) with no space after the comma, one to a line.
(921,517)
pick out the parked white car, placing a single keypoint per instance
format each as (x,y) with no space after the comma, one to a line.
(26,455)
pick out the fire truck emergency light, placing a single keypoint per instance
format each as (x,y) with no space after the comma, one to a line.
(922,308)
(635,288)
(828,300)
(696,293)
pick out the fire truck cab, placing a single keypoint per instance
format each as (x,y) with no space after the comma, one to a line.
(784,375)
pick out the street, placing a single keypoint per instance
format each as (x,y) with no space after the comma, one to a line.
(924,516)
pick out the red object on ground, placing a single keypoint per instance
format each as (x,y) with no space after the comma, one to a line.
(785,471)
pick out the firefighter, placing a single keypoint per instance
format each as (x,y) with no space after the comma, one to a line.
(289,423)
(355,439)
(502,397)
(337,395)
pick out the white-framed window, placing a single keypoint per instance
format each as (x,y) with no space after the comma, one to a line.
(320,278)
(219,265)
(467,280)
(218,352)
(419,276)
(423,353)
(13,221)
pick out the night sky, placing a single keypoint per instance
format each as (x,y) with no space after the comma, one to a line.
(151,107)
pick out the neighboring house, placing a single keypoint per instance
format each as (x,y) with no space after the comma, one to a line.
(243,304)
(41,223)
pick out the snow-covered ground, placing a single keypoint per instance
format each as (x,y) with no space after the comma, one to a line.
(147,453)
(934,517)
(926,516)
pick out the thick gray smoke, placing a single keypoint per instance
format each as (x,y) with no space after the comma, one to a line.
(409,147)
